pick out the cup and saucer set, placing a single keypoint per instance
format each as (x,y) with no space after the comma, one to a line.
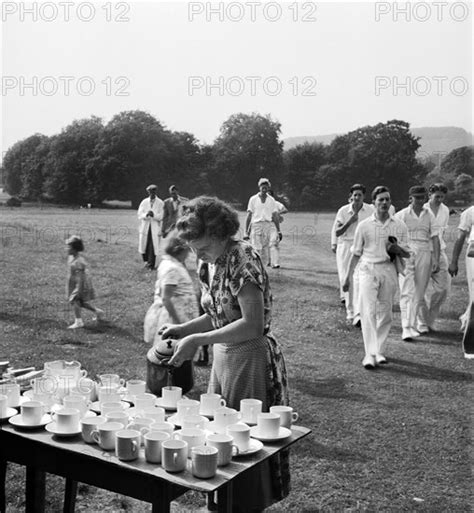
(33,416)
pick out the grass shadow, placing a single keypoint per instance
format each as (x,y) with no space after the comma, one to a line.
(423,371)
(328,452)
(331,388)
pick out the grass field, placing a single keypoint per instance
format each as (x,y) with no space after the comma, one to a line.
(395,439)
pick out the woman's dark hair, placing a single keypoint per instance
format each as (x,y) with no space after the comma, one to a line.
(378,190)
(438,187)
(175,245)
(209,216)
(76,243)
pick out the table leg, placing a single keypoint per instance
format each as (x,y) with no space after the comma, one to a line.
(224,498)
(3,475)
(70,494)
(35,490)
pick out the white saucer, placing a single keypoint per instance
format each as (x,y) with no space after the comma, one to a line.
(215,429)
(159,402)
(56,407)
(95,406)
(52,427)
(18,421)
(254,446)
(282,434)
(174,419)
(10,413)
(210,416)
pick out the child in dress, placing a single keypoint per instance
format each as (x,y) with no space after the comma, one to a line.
(79,288)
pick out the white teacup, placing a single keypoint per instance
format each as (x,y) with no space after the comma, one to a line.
(170,396)
(32,412)
(152,412)
(250,408)
(142,425)
(111,380)
(3,406)
(194,421)
(142,401)
(268,424)
(67,419)
(204,461)
(287,415)
(89,425)
(44,385)
(192,436)
(12,391)
(241,435)
(153,443)
(112,406)
(174,455)
(187,407)
(118,416)
(225,446)
(105,434)
(135,387)
(165,427)
(108,395)
(44,398)
(210,402)
(79,402)
(224,416)
(127,444)
(85,387)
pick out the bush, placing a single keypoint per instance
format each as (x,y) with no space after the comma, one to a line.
(13,202)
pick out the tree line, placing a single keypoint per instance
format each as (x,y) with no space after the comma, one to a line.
(91,162)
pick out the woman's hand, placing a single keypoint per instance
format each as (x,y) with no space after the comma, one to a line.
(171,331)
(185,350)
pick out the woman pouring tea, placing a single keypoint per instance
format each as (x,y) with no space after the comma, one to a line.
(248,362)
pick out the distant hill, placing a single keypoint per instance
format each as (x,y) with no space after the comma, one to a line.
(433,139)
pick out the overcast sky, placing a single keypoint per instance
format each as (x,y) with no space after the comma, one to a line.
(318,68)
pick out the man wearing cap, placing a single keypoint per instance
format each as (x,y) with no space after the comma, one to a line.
(440,282)
(262,212)
(172,209)
(377,274)
(150,214)
(347,219)
(424,245)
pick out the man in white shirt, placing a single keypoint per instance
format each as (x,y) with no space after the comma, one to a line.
(424,247)
(150,214)
(440,282)
(274,238)
(262,212)
(465,229)
(347,219)
(377,274)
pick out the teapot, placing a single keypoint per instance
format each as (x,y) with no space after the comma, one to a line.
(160,374)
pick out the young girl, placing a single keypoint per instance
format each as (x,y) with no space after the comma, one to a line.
(79,288)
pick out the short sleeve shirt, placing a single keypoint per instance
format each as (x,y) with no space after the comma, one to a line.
(466,222)
(343,215)
(371,237)
(238,265)
(262,210)
(420,228)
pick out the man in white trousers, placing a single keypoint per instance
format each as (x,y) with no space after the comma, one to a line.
(377,274)
(261,214)
(347,219)
(423,242)
(274,261)
(440,282)
(150,214)
(465,230)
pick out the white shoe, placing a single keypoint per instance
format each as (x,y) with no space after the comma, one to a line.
(414,333)
(406,334)
(369,362)
(380,359)
(99,314)
(423,329)
(78,323)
